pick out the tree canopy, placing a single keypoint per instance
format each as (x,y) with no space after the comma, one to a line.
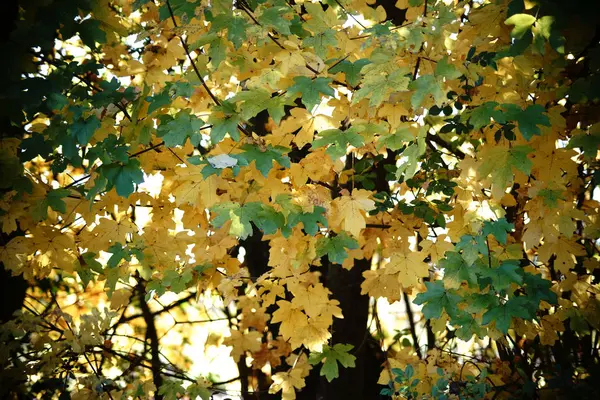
(300,199)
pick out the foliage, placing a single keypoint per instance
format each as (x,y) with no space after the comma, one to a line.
(261,182)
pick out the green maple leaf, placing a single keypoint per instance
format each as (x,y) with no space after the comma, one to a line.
(122,176)
(522,23)
(90,33)
(551,196)
(295,215)
(310,221)
(376,86)
(241,225)
(118,253)
(530,118)
(236,31)
(437,298)
(171,390)
(54,200)
(180,8)
(482,115)
(236,28)
(83,129)
(321,42)
(35,145)
(311,90)
(222,126)
(196,390)
(447,70)
(176,282)
(467,326)
(265,217)
(274,17)
(252,101)
(330,357)
(171,91)
(351,69)
(256,100)
(338,141)
(217,50)
(589,144)
(480,302)
(503,314)
(498,228)
(500,163)
(424,86)
(506,274)
(472,247)
(408,167)
(538,289)
(456,270)
(176,130)
(395,141)
(56,101)
(263,157)
(335,247)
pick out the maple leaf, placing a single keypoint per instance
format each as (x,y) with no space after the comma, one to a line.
(241,342)
(176,130)
(375,86)
(436,299)
(335,247)
(350,69)
(456,270)
(503,314)
(522,24)
(305,123)
(338,141)
(263,158)
(292,320)
(53,200)
(274,17)
(195,189)
(330,357)
(565,250)
(423,86)
(500,162)
(310,89)
(498,228)
(378,284)
(437,249)
(409,266)
(351,211)
(287,383)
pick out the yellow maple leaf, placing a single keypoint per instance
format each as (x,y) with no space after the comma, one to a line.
(194,189)
(409,266)
(287,383)
(241,342)
(316,302)
(350,211)
(378,284)
(565,250)
(313,335)
(436,249)
(292,320)
(107,232)
(305,123)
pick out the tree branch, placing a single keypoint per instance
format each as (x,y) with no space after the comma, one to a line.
(152,336)
(413,328)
